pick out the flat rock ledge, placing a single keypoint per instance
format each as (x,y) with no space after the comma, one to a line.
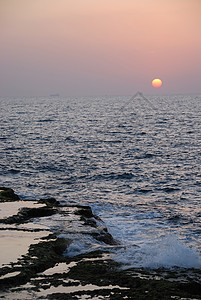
(42,271)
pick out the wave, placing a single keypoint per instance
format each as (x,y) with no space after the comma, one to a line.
(113,176)
(45,120)
(107,177)
(146,155)
(179,219)
(167,252)
(169,189)
(143,191)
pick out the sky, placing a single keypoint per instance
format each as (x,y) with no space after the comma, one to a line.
(99,47)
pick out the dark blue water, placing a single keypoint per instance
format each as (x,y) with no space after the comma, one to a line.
(136,162)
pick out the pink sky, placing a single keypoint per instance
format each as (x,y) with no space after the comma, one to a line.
(98,47)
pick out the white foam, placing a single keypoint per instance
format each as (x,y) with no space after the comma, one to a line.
(147,241)
(82,244)
(165,252)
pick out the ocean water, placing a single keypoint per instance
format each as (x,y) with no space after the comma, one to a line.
(135,161)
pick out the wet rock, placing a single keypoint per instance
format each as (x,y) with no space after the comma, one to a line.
(88,216)
(105,237)
(40,257)
(50,202)
(94,268)
(28,213)
(7,194)
(61,245)
(84,211)
(90,219)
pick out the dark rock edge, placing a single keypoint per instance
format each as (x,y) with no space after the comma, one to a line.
(48,252)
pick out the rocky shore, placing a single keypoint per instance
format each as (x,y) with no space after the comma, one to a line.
(36,264)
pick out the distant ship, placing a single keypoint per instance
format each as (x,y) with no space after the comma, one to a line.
(54,95)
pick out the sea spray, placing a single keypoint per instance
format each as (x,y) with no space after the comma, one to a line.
(164,252)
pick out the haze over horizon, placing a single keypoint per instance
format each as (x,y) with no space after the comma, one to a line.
(80,48)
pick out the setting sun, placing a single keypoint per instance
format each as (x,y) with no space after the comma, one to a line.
(156,83)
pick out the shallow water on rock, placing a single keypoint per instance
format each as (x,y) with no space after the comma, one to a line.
(12,208)
(15,243)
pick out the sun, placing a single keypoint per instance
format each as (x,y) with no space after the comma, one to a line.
(156,83)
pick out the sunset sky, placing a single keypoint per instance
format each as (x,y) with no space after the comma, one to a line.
(99,47)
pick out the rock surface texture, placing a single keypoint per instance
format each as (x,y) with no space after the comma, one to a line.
(52,267)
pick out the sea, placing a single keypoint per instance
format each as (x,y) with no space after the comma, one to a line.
(134,159)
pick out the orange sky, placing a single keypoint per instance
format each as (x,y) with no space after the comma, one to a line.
(89,47)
